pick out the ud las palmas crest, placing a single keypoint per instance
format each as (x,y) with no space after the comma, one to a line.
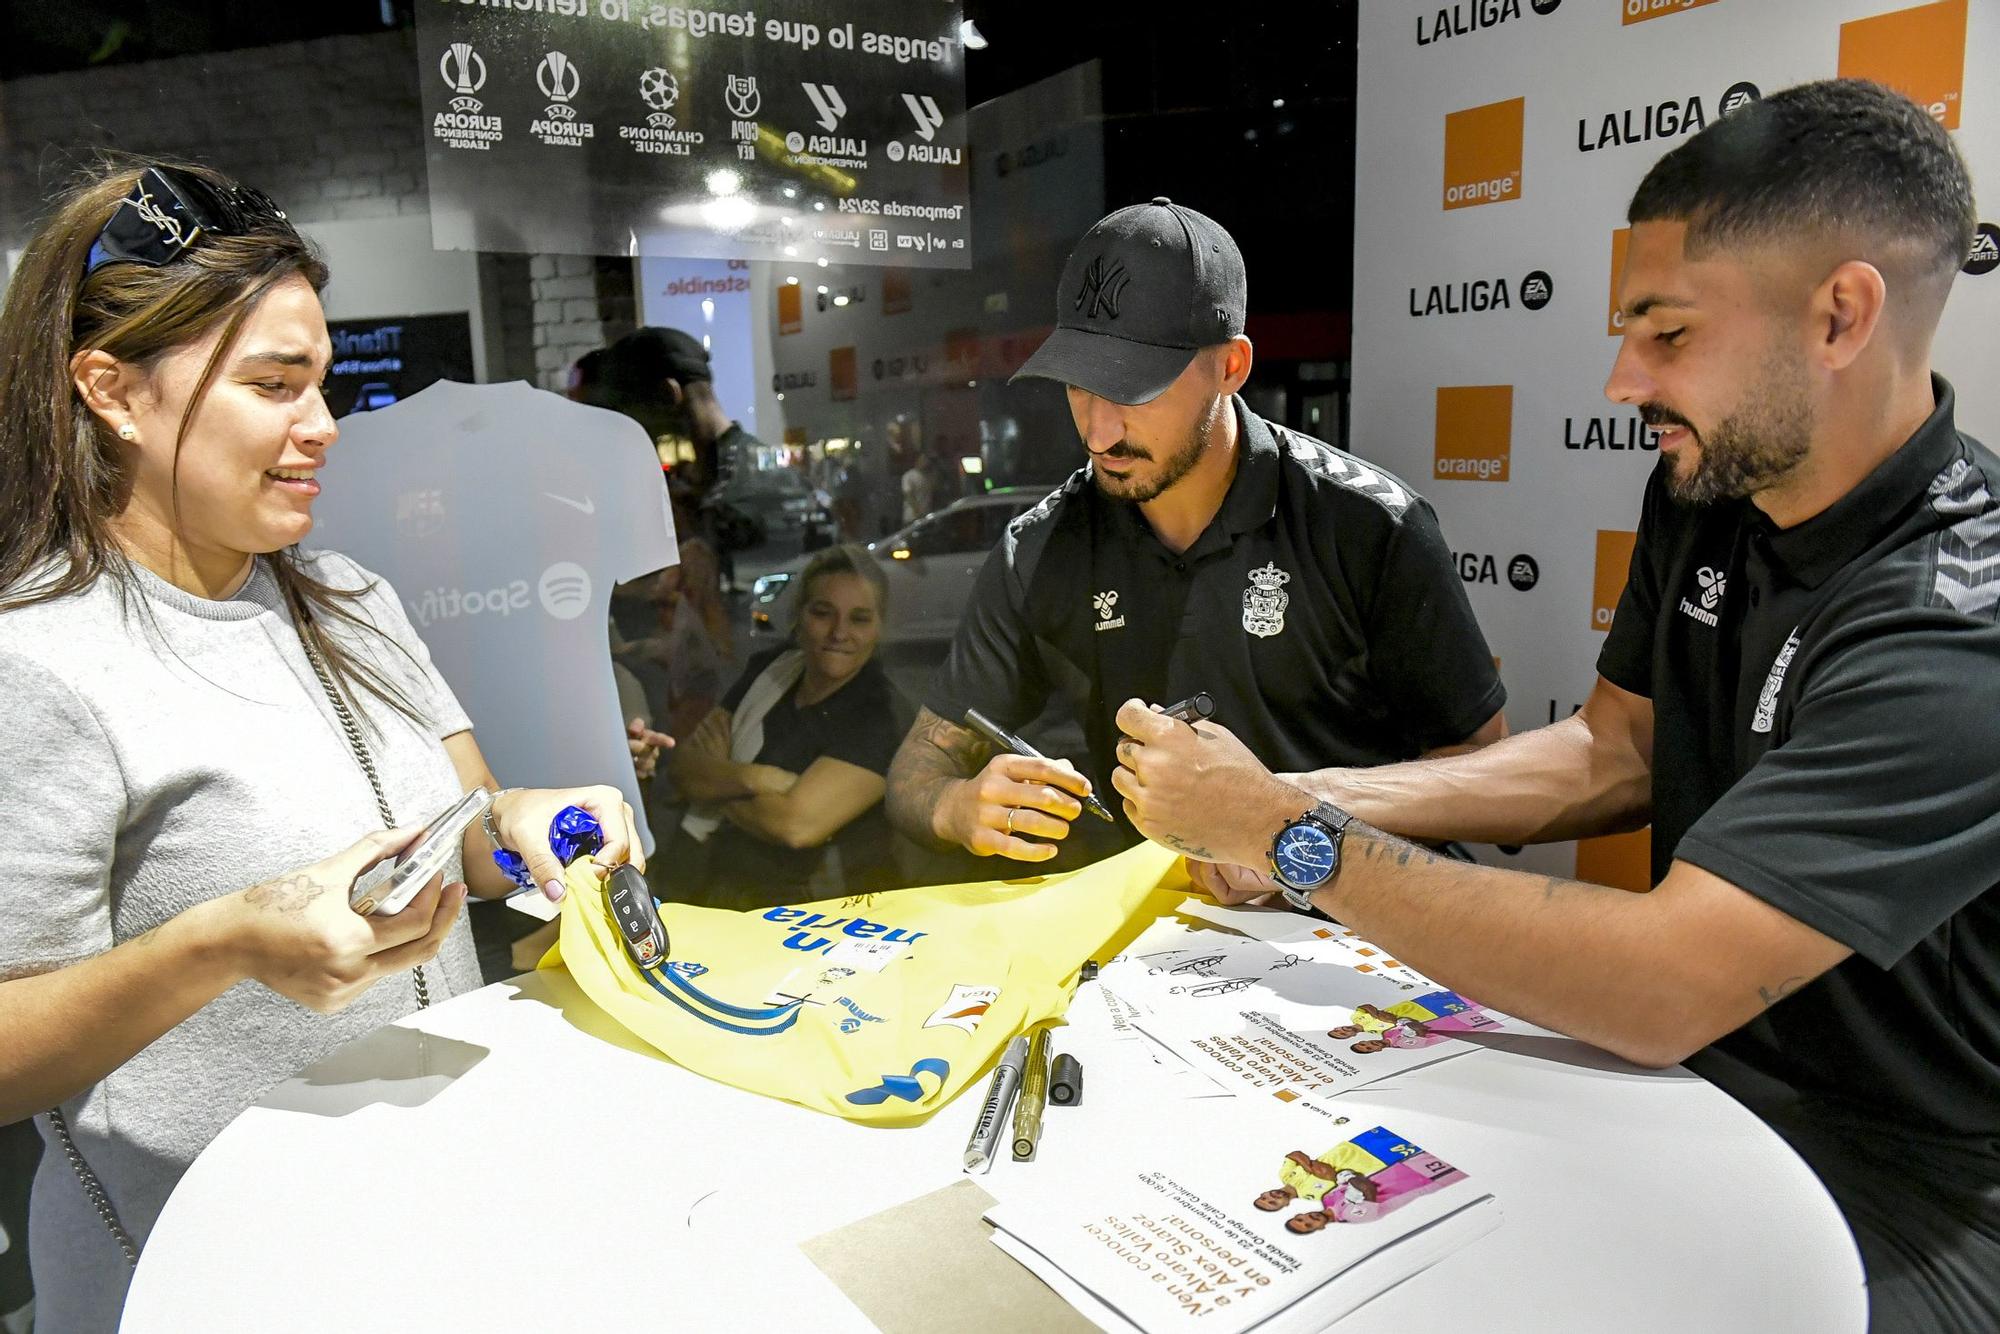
(1264,602)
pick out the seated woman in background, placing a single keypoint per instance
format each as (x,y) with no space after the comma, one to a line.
(786,775)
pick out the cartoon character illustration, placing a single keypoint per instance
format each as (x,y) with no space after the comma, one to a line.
(1289,961)
(1410,1025)
(1356,1181)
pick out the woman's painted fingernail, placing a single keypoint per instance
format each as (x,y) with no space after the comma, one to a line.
(554,889)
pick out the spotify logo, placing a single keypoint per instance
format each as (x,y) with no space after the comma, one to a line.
(565,590)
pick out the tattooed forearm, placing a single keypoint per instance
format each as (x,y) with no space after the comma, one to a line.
(1771,996)
(288,895)
(1186,848)
(933,756)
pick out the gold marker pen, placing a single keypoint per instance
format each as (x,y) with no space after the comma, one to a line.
(1034,1097)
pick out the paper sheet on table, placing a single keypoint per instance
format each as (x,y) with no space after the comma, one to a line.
(1298,1018)
(957,1261)
(1238,1216)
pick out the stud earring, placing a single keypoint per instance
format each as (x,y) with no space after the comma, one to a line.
(128,432)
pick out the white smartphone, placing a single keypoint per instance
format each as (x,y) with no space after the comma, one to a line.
(388,888)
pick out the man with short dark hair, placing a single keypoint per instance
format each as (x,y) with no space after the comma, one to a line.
(1201,549)
(1800,690)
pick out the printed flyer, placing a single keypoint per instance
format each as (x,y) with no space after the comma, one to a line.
(1226,1232)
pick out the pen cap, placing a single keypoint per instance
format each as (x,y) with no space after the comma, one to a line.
(1066,1081)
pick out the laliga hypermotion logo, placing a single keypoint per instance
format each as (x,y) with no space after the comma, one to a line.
(559,81)
(465,73)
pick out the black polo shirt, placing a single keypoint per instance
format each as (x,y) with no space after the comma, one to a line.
(1826,736)
(1320,607)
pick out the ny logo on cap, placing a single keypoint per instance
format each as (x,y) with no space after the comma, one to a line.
(1101,288)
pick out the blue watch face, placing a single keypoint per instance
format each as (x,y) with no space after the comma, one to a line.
(1304,855)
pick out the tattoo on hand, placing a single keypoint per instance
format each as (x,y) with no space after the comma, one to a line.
(962,744)
(1187,849)
(1785,988)
(289,895)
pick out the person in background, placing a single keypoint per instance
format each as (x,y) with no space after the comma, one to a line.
(919,489)
(786,774)
(209,726)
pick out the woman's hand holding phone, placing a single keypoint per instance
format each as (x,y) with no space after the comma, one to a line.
(296,934)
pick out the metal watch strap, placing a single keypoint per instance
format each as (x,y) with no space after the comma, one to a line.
(486,820)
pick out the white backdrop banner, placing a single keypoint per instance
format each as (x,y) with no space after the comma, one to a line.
(1498,143)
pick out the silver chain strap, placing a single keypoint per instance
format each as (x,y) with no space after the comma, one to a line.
(93,1189)
(352,727)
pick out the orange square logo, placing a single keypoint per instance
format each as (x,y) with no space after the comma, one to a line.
(1614,324)
(1614,565)
(1482,154)
(840,374)
(791,309)
(1919,52)
(1638,11)
(895,291)
(1622,861)
(1475,432)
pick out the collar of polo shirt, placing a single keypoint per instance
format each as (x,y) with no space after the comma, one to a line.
(1814,551)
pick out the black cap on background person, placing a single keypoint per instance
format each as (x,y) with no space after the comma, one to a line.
(1144,290)
(642,360)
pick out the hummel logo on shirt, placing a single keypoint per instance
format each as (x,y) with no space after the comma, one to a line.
(1713,583)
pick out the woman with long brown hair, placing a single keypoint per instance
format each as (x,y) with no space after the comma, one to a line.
(211,732)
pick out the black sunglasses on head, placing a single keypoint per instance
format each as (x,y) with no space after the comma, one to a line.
(169,210)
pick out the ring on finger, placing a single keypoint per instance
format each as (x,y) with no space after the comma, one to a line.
(1011,813)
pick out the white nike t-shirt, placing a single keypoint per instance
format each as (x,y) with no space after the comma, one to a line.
(503,514)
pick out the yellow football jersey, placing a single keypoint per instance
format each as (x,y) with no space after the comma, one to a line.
(876,1008)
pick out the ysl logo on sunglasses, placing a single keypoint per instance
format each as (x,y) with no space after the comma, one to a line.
(168,225)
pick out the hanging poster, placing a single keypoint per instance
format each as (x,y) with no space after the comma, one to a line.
(799,130)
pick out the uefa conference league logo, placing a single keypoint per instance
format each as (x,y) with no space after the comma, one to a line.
(465,125)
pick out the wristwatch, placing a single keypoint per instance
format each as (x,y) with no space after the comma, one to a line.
(1306,854)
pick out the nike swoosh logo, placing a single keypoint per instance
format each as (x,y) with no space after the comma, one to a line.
(587,505)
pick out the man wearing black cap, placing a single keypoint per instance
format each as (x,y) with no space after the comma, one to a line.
(1201,549)
(663,378)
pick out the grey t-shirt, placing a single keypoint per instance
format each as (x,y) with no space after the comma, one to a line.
(160,750)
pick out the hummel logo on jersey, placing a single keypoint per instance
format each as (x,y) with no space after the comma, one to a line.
(1713,583)
(1106,603)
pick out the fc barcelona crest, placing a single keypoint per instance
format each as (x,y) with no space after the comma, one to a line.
(1264,602)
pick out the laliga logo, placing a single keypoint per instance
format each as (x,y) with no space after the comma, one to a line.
(565,590)
(465,73)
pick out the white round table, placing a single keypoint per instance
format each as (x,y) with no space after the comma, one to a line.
(512,1160)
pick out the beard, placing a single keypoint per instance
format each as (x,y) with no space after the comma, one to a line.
(1178,464)
(1752,449)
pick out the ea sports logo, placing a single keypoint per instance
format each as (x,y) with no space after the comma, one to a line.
(1523,572)
(565,590)
(1545,6)
(1984,256)
(1537,289)
(1737,96)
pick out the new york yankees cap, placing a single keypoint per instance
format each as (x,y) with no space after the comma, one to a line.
(1145,289)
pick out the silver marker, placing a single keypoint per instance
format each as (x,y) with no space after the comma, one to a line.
(979,1150)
